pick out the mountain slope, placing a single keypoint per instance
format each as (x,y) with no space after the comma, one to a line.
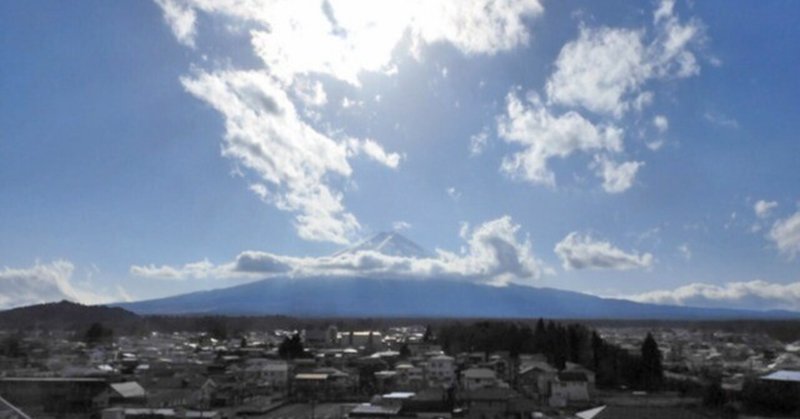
(362,297)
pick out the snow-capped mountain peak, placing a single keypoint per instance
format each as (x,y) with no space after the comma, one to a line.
(390,243)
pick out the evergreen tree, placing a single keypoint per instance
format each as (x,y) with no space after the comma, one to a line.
(652,373)
(539,337)
(428,336)
(597,348)
(405,352)
(291,348)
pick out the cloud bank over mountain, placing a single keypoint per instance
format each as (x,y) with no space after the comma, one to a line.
(494,253)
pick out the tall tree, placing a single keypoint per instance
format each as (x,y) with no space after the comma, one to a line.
(291,347)
(405,352)
(597,348)
(652,370)
(428,336)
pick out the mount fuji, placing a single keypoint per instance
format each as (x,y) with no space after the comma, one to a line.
(390,244)
(386,296)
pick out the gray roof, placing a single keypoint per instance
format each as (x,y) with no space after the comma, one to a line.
(478,373)
(9,411)
(129,390)
(372,409)
(783,375)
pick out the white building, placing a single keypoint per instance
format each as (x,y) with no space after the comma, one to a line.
(441,369)
(267,371)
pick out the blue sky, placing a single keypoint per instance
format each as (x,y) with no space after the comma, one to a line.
(645,150)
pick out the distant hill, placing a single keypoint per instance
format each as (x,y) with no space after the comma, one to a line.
(64,315)
(375,297)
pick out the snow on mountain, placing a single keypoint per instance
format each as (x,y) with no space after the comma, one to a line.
(390,244)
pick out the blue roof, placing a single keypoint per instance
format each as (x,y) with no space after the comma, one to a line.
(783,375)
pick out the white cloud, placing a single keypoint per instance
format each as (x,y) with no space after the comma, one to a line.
(755,295)
(344,38)
(310,93)
(265,134)
(763,209)
(543,136)
(685,251)
(661,123)
(578,251)
(43,283)
(348,103)
(400,225)
(655,145)
(617,177)
(478,142)
(453,193)
(785,233)
(374,151)
(493,253)
(198,270)
(181,18)
(722,120)
(600,71)
(605,69)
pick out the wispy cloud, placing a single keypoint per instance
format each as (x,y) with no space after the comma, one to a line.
(453,193)
(48,282)
(754,295)
(763,209)
(478,142)
(720,119)
(581,251)
(401,225)
(265,134)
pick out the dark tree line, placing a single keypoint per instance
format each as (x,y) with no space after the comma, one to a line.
(97,333)
(560,343)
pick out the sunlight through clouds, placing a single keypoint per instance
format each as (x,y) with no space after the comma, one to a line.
(300,167)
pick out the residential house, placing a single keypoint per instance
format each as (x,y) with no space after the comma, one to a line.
(477,378)
(534,378)
(441,369)
(409,377)
(569,388)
